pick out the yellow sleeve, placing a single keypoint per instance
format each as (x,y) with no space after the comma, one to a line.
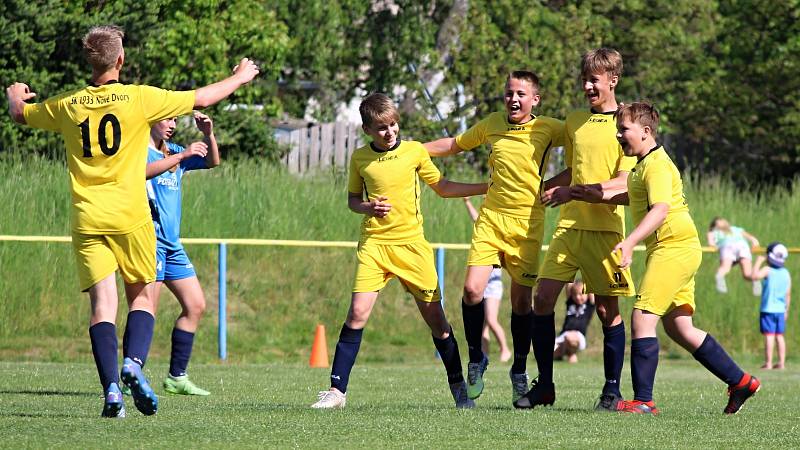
(658,181)
(558,135)
(42,115)
(473,137)
(625,163)
(568,148)
(355,183)
(426,169)
(159,104)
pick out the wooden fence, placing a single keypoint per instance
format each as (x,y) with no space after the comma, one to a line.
(320,146)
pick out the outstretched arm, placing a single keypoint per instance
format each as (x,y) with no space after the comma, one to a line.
(156,168)
(593,193)
(759,270)
(442,147)
(206,126)
(650,223)
(712,239)
(446,188)
(753,241)
(209,95)
(556,189)
(18,94)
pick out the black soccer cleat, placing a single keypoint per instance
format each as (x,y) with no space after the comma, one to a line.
(608,402)
(739,393)
(540,394)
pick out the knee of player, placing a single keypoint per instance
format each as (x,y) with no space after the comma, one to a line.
(543,301)
(472,293)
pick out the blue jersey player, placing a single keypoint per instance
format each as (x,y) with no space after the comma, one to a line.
(167,162)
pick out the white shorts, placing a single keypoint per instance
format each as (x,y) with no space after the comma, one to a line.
(735,251)
(581,338)
(494,288)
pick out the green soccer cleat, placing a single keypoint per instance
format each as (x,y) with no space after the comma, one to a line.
(182,385)
(475,378)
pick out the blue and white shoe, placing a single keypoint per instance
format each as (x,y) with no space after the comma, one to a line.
(114,406)
(144,398)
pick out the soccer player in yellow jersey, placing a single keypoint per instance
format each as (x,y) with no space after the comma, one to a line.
(106,128)
(659,210)
(509,229)
(586,233)
(384,186)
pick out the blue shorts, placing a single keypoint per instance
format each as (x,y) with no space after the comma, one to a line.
(172,264)
(773,323)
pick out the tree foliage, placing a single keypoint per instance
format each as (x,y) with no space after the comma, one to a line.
(721,72)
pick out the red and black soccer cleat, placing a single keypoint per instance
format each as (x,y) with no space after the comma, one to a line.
(637,407)
(739,393)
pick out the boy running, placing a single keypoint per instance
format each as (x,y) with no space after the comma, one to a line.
(510,226)
(586,233)
(167,163)
(659,210)
(384,186)
(105,127)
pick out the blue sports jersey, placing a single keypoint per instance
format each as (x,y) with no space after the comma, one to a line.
(164,192)
(773,294)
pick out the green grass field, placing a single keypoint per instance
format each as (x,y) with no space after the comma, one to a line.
(389,406)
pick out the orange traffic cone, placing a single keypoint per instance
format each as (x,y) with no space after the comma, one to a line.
(319,351)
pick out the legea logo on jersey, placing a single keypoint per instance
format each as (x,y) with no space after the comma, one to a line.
(516,128)
(529,275)
(386,158)
(598,120)
(428,291)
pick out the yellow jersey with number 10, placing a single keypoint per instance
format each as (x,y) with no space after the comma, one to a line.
(106,130)
(655,179)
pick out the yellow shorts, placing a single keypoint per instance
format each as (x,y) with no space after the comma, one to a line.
(512,242)
(668,280)
(134,254)
(412,264)
(592,253)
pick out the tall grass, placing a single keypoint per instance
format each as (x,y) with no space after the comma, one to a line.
(277,295)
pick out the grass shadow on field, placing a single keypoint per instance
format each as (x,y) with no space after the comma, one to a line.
(48,393)
(42,415)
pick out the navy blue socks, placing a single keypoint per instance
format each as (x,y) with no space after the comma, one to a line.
(182,342)
(345,357)
(613,357)
(473,316)
(644,362)
(544,339)
(448,351)
(521,339)
(138,335)
(104,348)
(714,358)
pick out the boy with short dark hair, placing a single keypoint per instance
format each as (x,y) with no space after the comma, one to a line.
(661,215)
(384,186)
(510,226)
(586,233)
(106,128)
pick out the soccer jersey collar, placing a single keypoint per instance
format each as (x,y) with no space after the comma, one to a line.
(605,113)
(508,122)
(657,147)
(106,83)
(377,150)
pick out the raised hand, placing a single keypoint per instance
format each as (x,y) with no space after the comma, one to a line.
(246,70)
(203,123)
(20,91)
(196,149)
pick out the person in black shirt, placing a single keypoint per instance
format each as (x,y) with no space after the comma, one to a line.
(580,309)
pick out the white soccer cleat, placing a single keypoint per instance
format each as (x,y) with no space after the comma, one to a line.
(519,385)
(330,399)
(459,391)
